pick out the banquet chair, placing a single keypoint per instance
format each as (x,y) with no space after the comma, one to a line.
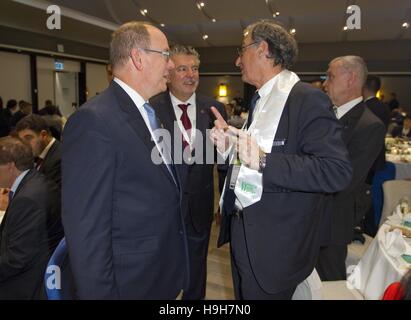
(393,190)
(380,176)
(58,280)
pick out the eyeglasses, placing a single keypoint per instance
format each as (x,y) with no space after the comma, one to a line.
(241,50)
(166,54)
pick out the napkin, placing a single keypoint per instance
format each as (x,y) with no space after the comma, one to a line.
(395,243)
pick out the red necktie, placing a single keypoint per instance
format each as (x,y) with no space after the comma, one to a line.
(185,120)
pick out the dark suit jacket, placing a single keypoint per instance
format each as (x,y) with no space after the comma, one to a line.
(282,230)
(121,212)
(382,111)
(29,233)
(198,200)
(362,134)
(51,166)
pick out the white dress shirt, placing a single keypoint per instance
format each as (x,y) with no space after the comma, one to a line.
(18,180)
(343,109)
(191,111)
(43,154)
(139,102)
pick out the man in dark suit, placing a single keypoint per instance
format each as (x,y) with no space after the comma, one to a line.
(121,192)
(291,157)
(362,134)
(382,111)
(31,227)
(190,111)
(34,131)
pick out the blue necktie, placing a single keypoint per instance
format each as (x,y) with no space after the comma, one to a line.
(254,100)
(154,124)
(11,194)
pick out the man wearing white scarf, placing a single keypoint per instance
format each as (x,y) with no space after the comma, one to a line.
(289,157)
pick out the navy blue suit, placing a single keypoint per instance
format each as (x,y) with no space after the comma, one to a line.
(121,212)
(281,234)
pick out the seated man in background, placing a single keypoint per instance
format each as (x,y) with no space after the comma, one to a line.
(31,227)
(34,131)
(403,131)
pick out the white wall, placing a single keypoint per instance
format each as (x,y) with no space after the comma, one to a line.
(15,77)
(209,86)
(45,86)
(96,79)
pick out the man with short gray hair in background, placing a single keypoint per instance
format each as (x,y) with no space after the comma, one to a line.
(362,134)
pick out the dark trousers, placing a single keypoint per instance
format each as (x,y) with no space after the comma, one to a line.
(197,250)
(246,286)
(331,263)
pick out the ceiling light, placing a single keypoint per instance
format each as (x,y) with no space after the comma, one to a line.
(293,31)
(349,7)
(214,20)
(406,25)
(205,37)
(277,13)
(345,28)
(163,25)
(202,4)
(143,11)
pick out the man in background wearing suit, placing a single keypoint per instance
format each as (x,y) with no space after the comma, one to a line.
(31,227)
(382,111)
(122,209)
(362,134)
(181,105)
(34,131)
(290,157)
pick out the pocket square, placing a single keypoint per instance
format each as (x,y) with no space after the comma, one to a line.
(277,143)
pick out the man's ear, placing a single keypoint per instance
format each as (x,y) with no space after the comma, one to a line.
(136,58)
(263,49)
(43,134)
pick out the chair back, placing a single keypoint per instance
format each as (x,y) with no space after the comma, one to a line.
(58,279)
(393,190)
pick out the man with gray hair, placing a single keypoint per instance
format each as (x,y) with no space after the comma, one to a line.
(121,210)
(290,156)
(362,135)
(190,111)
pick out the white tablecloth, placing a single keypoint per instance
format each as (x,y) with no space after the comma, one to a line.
(377,269)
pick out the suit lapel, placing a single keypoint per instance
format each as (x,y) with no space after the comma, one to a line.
(137,122)
(350,120)
(22,183)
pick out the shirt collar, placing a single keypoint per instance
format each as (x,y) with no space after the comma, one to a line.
(134,95)
(343,109)
(43,154)
(369,98)
(267,87)
(17,182)
(175,101)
